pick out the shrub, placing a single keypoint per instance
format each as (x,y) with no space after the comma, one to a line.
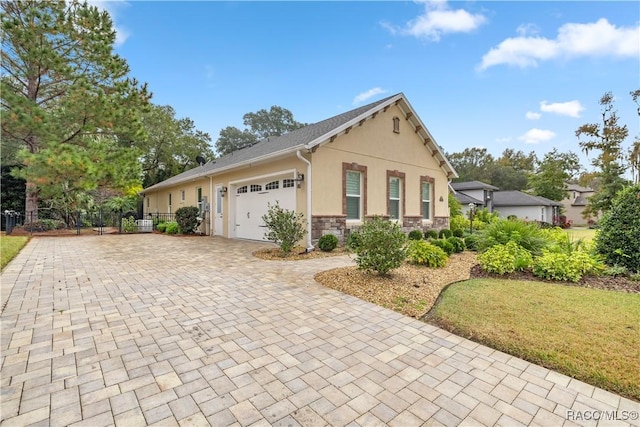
(445,233)
(444,245)
(45,225)
(172,227)
(187,219)
(563,266)
(431,234)
(328,242)
(471,242)
(458,233)
(353,240)
(161,227)
(618,239)
(285,227)
(422,252)
(458,244)
(512,217)
(458,224)
(503,259)
(499,232)
(381,246)
(129,225)
(615,271)
(415,235)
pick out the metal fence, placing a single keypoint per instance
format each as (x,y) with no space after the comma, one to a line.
(99,220)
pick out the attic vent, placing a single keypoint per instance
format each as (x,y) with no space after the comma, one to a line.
(396,124)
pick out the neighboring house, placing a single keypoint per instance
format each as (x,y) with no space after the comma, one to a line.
(378,159)
(576,203)
(506,203)
(476,192)
(526,206)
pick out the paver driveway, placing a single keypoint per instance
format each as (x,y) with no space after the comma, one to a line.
(151,329)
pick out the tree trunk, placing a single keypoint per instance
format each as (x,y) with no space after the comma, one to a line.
(31,203)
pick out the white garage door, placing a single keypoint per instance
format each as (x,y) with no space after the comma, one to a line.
(252,202)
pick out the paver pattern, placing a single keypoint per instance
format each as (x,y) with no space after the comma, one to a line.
(135,330)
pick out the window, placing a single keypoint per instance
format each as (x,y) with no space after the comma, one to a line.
(148,201)
(354,193)
(199,198)
(256,187)
(426,200)
(219,200)
(394,198)
(288,183)
(182,195)
(272,185)
(242,189)
(396,125)
(169,199)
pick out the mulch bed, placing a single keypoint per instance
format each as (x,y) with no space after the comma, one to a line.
(621,284)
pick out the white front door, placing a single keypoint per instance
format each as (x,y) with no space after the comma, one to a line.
(217,213)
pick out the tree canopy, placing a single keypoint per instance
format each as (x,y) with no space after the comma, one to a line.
(68,105)
(261,124)
(510,171)
(553,173)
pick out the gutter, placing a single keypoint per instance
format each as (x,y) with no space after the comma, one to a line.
(310,246)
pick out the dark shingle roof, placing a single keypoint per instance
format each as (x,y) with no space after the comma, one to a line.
(465,199)
(472,185)
(518,198)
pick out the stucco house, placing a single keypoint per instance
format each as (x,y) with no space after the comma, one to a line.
(576,202)
(506,203)
(378,159)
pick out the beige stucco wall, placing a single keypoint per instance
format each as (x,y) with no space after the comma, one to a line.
(376,146)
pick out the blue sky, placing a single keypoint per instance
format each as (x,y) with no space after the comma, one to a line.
(522,75)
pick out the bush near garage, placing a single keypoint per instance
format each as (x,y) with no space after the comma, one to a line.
(284,227)
(187,219)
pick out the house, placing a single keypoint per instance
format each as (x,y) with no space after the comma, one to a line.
(378,159)
(506,203)
(576,202)
(474,192)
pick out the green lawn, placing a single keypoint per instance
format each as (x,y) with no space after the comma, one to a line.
(10,246)
(581,233)
(589,334)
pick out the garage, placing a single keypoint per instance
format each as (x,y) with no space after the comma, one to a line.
(252,201)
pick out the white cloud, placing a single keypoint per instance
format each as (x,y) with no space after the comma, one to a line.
(368,94)
(437,20)
(527,30)
(112,6)
(593,39)
(504,139)
(571,108)
(533,116)
(535,136)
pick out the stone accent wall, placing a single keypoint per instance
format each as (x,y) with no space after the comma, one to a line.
(440,222)
(411,223)
(328,224)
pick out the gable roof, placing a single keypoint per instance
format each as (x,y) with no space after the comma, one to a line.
(309,138)
(518,198)
(465,199)
(472,185)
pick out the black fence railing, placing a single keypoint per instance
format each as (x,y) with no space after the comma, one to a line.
(158,218)
(100,220)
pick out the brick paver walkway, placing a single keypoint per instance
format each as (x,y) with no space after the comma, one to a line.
(156,330)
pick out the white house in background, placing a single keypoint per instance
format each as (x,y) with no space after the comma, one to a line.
(576,203)
(506,203)
(476,192)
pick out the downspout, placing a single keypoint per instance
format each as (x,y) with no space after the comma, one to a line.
(310,246)
(211,233)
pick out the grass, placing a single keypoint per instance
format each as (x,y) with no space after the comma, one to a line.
(589,334)
(581,233)
(10,246)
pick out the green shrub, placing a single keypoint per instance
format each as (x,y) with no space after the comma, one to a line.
(172,227)
(353,240)
(415,235)
(618,239)
(635,277)
(285,227)
(458,244)
(500,232)
(45,225)
(471,242)
(444,245)
(445,233)
(431,234)
(161,227)
(129,225)
(458,233)
(328,242)
(501,259)
(563,266)
(187,219)
(483,215)
(458,224)
(422,252)
(615,271)
(381,246)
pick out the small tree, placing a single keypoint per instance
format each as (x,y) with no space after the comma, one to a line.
(381,246)
(285,227)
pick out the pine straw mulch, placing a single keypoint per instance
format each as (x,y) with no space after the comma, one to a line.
(298,253)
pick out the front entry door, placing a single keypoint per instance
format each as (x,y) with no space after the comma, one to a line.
(218,212)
